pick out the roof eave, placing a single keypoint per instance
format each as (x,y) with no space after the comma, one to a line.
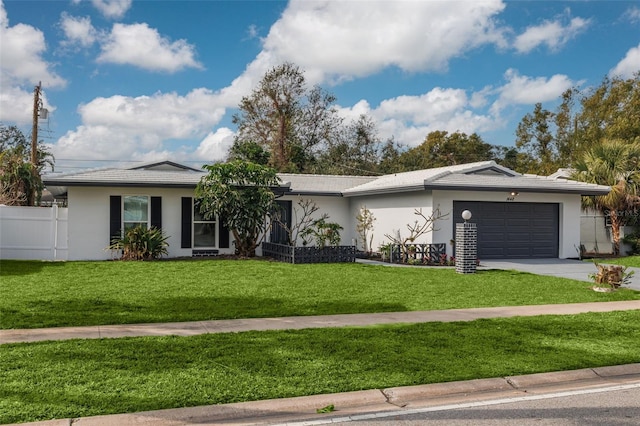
(577,191)
(381,191)
(316,193)
(119,184)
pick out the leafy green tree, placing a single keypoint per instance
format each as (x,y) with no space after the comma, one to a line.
(615,163)
(354,151)
(390,157)
(535,137)
(510,157)
(286,119)
(582,120)
(441,149)
(248,151)
(610,111)
(241,194)
(20,182)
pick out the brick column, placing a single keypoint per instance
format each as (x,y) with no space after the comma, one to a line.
(466,247)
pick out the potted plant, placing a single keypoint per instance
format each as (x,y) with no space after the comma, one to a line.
(610,277)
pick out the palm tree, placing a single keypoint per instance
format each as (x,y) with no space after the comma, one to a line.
(615,163)
(20,181)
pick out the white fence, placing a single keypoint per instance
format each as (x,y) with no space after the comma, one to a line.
(38,233)
(595,234)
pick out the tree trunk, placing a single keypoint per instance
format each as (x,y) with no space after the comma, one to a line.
(615,231)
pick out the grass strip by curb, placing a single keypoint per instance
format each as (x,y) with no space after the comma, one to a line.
(79,378)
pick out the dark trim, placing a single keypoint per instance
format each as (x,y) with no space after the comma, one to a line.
(204,252)
(276,189)
(280,233)
(223,238)
(318,193)
(156,212)
(187,218)
(121,184)
(515,188)
(115,217)
(381,191)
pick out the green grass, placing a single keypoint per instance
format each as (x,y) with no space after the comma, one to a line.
(46,380)
(52,294)
(633,261)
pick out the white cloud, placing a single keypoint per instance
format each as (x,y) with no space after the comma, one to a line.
(550,33)
(523,90)
(629,65)
(354,39)
(408,119)
(22,66)
(126,127)
(215,146)
(16,105)
(21,56)
(633,14)
(112,8)
(144,47)
(436,105)
(77,31)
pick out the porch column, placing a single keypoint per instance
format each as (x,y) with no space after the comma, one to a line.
(466,245)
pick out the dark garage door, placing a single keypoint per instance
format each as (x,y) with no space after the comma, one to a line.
(513,230)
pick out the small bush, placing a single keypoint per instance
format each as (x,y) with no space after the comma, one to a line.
(140,243)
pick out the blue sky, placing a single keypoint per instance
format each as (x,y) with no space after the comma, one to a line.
(152,80)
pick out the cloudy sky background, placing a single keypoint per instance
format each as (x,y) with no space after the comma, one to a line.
(152,80)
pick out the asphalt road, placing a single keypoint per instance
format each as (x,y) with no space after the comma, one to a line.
(615,406)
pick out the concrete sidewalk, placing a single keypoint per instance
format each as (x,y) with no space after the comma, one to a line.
(289,323)
(564,268)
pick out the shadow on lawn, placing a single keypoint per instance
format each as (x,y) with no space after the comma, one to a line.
(26,267)
(66,311)
(135,374)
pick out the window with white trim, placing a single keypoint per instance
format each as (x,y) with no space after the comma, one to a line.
(135,211)
(204,230)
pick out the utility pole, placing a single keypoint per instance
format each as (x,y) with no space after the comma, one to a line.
(37,105)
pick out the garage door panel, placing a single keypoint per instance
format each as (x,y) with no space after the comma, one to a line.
(544,225)
(519,238)
(514,230)
(542,236)
(494,239)
(494,253)
(500,223)
(544,252)
(516,207)
(518,252)
(515,222)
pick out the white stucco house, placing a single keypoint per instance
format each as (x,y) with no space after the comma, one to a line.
(517,215)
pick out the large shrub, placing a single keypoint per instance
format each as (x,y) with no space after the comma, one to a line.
(140,243)
(240,194)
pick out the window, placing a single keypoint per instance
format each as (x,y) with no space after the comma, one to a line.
(135,212)
(127,212)
(204,230)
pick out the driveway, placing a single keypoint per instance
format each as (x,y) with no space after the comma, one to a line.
(565,268)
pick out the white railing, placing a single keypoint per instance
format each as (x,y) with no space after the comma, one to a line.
(34,233)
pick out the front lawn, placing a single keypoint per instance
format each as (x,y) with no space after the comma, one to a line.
(52,294)
(632,261)
(70,379)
